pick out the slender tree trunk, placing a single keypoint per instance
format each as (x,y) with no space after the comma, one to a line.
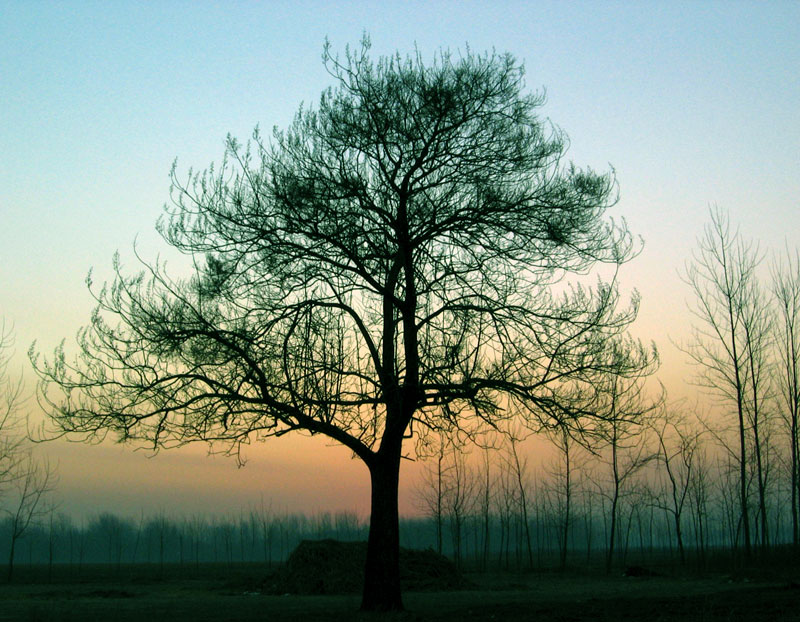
(745,517)
(628,527)
(567,501)
(794,402)
(612,535)
(679,536)
(439,494)
(523,500)
(795,483)
(752,352)
(486,514)
(10,574)
(504,536)
(382,571)
(738,384)
(614,503)
(762,502)
(786,292)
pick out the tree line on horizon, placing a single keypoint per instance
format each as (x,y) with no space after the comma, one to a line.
(484,515)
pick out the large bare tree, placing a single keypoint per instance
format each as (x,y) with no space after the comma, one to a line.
(393,263)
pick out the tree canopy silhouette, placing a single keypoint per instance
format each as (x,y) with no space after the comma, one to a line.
(393,263)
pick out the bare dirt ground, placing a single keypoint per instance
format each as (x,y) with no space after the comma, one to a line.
(219,594)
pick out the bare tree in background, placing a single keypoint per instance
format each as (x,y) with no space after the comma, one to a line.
(448,492)
(504,505)
(11,437)
(700,498)
(483,505)
(786,290)
(678,444)
(24,480)
(431,491)
(757,325)
(626,450)
(34,480)
(720,275)
(265,520)
(518,468)
(458,500)
(385,267)
(563,475)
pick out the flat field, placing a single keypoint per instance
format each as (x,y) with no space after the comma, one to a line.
(239,592)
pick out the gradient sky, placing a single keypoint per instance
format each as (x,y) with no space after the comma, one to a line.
(692,103)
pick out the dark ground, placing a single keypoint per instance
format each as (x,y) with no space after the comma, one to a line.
(220,592)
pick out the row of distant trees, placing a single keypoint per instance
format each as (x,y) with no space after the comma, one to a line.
(671,495)
(257,535)
(665,489)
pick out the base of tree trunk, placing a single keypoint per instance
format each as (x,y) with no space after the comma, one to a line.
(382,568)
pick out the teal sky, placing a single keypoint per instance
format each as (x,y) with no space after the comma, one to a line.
(692,103)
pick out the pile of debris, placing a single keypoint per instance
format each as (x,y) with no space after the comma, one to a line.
(335,567)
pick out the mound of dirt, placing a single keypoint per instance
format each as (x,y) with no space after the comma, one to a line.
(334,567)
(639,571)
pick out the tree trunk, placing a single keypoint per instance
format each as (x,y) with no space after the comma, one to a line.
(382,571)
(439,503)
(10,573)
(679,536)
(612,536)
(795,483)
(567,500)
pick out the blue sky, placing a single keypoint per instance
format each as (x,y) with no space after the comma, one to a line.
(692,103)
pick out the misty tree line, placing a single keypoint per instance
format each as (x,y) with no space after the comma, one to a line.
(671,495)
(257,535)
(482,514)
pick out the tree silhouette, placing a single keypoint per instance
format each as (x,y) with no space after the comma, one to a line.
(24,480)
(730,346)
(786,291)
(393,264)
(11,440)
